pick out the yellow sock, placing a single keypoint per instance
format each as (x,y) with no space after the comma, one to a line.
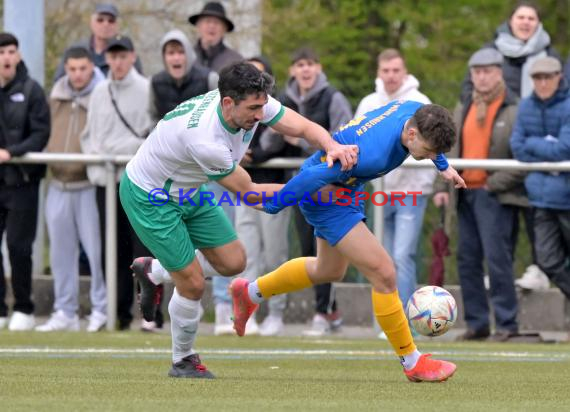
(390,315)
(289,277)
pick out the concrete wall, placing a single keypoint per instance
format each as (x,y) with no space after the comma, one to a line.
(538,311)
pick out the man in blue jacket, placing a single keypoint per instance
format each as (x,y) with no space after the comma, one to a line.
(542,134)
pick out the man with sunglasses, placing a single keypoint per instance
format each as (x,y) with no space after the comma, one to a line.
(104,24)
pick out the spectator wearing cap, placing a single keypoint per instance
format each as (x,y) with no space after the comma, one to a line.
(212,25)
(104,25)
(24,127)
(486,212)
(71,210)
(117,124)
(542,134)
(182,77)
(521,40)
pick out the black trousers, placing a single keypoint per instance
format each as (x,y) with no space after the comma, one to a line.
(552,239)
(528,216)
(324,294)
(18,218)
(128,247)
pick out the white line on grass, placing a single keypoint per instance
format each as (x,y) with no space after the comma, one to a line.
(299,353)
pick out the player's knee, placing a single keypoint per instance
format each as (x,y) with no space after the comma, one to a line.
(233,266)
(190,282)
(231,269)
(198,284)
(233,263)
(384,276)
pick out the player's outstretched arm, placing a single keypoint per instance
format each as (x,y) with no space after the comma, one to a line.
(239,182)
(304,185)
(293,124)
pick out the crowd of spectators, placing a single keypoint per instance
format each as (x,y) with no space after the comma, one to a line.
(513,103)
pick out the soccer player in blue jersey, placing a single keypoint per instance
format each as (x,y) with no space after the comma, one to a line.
(385,137)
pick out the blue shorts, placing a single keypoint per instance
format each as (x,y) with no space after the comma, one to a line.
(332,222)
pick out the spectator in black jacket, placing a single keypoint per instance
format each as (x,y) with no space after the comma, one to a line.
(182,77)
(24,127)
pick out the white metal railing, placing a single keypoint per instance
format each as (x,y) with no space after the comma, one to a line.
(488,164)
(111,162)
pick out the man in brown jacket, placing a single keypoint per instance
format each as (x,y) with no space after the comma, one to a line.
(487,213)
(71,210)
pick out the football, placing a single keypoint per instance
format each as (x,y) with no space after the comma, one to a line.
(431,311)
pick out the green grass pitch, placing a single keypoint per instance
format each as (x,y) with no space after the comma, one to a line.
(127,372)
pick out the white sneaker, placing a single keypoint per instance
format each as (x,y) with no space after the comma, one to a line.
(97,321)
(21,322)
(3,322)
(224,324)
(251,327)
(59,321)
(319,327)
(272,325)
(533,279)
(147,326)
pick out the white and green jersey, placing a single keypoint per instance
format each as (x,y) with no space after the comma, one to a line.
(193,144)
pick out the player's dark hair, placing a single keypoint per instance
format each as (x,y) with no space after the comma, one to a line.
(8,39)
(77,52)
(241,80)
(436,127)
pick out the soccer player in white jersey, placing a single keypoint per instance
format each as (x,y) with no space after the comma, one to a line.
(203,139)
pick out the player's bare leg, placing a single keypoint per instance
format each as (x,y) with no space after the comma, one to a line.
(226,260)
(185,308)
(364,251)
(294,275)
